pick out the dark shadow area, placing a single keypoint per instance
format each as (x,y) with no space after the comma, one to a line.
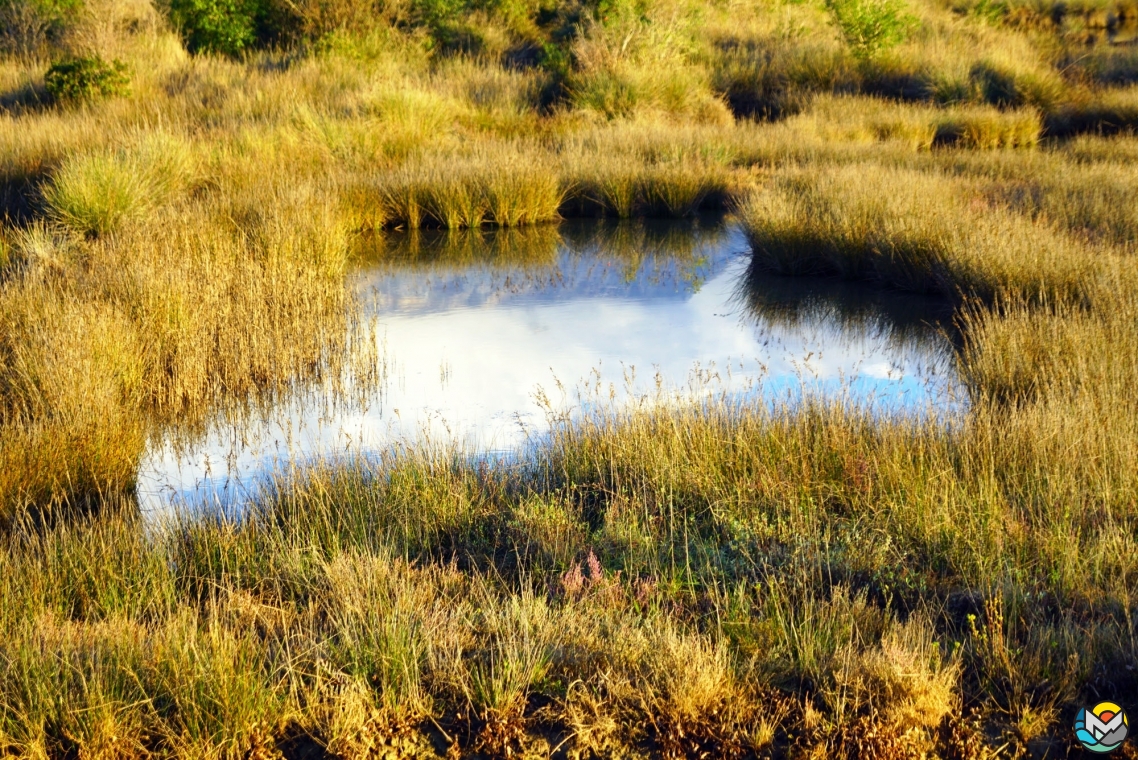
(762,104)
(1099,59)
(298,745)
(32,97)
(1092,118)
(949,134)
(996,87)
(907,86)
(767,82)
(20,189)
(17,194)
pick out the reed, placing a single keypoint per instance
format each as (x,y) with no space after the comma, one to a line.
(678,190)
(906,229)
(522,193)
(457,192)
(456,202)
(612,187)
(108,336)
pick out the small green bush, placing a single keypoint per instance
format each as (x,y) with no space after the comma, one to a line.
(870,26)
(86,78)
(217,26)
(448,24)
(231,27)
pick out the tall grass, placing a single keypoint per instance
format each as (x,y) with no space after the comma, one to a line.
(868,120)
(911,230)
(678,580)
(98,192)
(108,336)
(652,587)
(498,188)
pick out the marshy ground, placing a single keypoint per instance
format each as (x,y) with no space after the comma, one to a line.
(181,186)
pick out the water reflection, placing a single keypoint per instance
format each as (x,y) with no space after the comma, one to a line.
(474,327)
(902,318)
(431,271)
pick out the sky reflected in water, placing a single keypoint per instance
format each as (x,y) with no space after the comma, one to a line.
(475,328)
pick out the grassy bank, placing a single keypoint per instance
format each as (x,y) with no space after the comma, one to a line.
(677,582)
(813,582)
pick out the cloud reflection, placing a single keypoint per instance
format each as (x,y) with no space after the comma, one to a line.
(474,325)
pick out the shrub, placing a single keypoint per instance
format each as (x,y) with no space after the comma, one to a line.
(345,23)
(870,26)
(86,79)
(438,13)
(230,27)
(447,24)
(220,26)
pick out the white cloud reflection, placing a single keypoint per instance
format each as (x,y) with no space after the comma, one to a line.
(465,357)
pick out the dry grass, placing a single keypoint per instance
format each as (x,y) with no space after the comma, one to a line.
(911,230)
(506,186)
(96,193)
(869,120)
(107,336)
(652,588)
(812,580)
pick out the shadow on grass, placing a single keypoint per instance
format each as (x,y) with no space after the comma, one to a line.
(1094,118)
(31,97)
(17,197)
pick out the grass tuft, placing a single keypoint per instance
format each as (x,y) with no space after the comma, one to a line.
(97,193)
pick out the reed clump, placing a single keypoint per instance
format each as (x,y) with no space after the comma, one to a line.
(907,229)
(623,189)
(502,189)
(96,193)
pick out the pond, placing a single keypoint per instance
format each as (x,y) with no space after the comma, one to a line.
(481,335)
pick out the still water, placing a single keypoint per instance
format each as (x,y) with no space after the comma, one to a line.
(481,335)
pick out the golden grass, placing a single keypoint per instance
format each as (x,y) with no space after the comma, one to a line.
(506,186)
(912,230)
(107,336)
(309,617)
(868,120)
(676,580)
(95,193)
